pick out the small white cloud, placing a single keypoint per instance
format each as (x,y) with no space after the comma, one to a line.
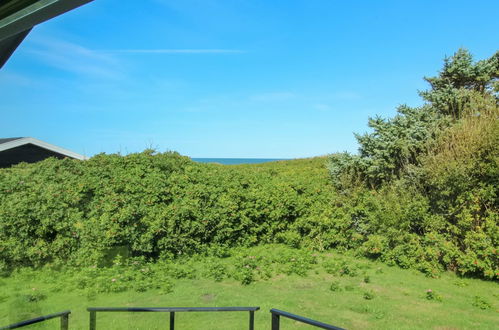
(322,107)
(273,96)
(174,51)
(11,78)
(346,95)
(74,58)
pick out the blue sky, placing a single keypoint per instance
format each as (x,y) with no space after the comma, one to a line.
(231,78)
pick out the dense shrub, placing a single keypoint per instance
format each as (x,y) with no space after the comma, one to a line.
(157,206)
(423,190)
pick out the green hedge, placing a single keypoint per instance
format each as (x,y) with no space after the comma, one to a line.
(162,206)
(152,205)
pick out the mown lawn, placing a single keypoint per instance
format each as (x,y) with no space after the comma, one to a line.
(398,300)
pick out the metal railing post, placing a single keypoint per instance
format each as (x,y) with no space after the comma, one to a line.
(93,320)
(276,314)
(63,315)
(65,322)
(275,321)
(252,320)
(172,320)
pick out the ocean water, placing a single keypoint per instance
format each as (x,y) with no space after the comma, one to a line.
(236,161)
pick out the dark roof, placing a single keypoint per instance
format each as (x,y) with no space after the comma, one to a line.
(9,139)
(18,17)
(9,7)
(26,153)
(26,146)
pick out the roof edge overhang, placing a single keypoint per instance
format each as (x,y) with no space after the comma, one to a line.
(34,14)
(15,27)
(29,140)
(9,45)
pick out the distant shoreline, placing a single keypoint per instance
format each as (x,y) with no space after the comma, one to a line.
(236,161)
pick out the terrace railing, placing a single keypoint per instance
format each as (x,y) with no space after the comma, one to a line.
(63,315)
(172,310)
(276,316)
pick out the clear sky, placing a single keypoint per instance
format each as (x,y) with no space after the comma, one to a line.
(231,78)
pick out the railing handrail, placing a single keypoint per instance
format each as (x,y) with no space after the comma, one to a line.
(172,310)
(275,320)
(63,315)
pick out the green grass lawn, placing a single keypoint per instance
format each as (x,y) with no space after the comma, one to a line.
(398,300)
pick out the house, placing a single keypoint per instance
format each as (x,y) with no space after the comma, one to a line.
(30,150)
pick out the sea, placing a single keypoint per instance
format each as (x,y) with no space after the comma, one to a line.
(236,161)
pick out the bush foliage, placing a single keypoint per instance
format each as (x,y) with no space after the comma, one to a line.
(158,206)
(422,193)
